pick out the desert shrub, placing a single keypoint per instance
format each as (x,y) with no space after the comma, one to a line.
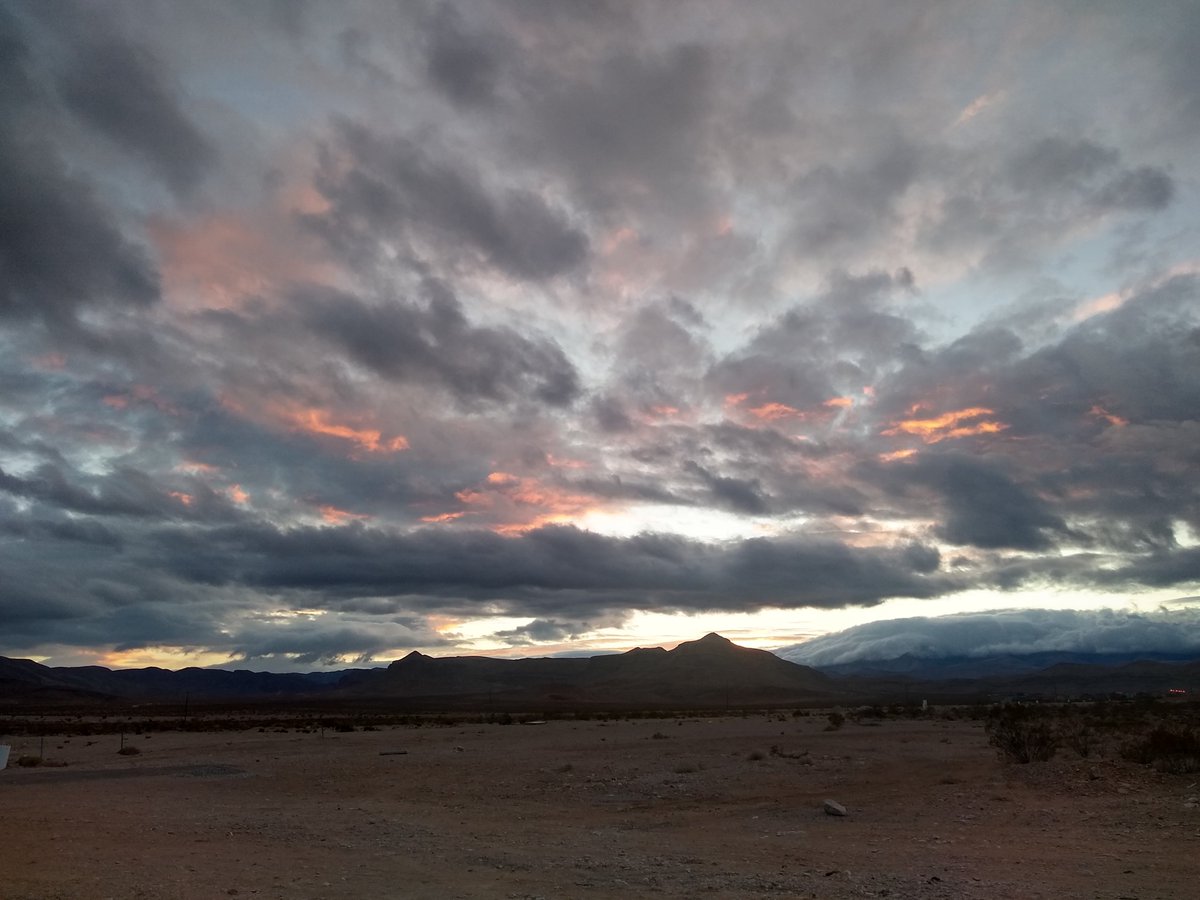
(1021,737)
(836,721)
(659,736)
(1175,750)
(755,756)
(129,750)
(29,762)
(1080,737)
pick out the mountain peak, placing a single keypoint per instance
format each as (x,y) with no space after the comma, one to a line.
(711,641)
(413,658)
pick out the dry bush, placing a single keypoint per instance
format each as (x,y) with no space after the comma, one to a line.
(1080,737)
(1021,737)
(1175,750)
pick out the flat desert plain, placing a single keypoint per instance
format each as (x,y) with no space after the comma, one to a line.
(675,807)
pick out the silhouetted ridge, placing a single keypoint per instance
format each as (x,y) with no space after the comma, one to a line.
(709,671)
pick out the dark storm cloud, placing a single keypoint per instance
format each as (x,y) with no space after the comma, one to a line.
(307,642)
(839,341)
(60,249)
(630,129)
(122,492)
(659,356)
(1094,446)
(553,570)
(1180,67)
(837,207)
(1142,359)
(436,344)
(178,583)
(1164,568)
(51,526)
(355,46)
(395,188)
(124,92)
(461,64)
(542,630)
(744,495)
(611,415)
(1056,164)
(17,87)
(1009,210)
(981,505)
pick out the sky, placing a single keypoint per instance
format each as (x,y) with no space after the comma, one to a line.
(333,331)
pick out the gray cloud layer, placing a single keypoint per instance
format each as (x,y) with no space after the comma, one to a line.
(1006,632)
(320,329)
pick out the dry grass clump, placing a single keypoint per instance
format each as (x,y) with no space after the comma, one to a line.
(1171,749)
(1021,736)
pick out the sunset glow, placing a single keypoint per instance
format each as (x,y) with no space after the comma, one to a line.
(948,426)
(317,421)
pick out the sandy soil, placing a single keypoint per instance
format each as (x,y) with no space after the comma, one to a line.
(674,808)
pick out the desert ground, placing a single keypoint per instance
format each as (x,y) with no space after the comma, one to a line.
(722,806)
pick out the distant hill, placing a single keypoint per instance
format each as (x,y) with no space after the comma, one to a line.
(712,671)
(25,680)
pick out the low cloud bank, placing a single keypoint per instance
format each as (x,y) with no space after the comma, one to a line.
(1015,632)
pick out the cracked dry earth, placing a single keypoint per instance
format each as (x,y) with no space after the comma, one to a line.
(586,809)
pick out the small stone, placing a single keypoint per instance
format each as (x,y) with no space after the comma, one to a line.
(833,808)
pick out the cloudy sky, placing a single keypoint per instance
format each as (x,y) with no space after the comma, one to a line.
(331,331)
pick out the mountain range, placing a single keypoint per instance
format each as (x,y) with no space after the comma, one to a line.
(711,672)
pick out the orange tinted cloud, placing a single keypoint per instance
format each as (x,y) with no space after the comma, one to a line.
(474,498)
(514,528)
(54,362)
(897,454)
(217,260)
(564,463)
(948,425)
(770,412)
(140,393)
(444,517)
(335,516)
(531,502)
(839,402)
(196,468)
(236,494)
(1097,305)
(1111,418)
(185,499)
(317,421)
